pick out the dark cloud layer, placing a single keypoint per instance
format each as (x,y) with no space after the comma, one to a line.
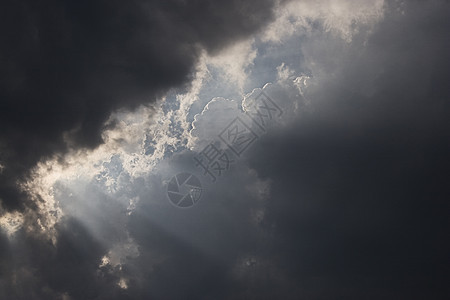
(358,205)
(65,65)
(360,199)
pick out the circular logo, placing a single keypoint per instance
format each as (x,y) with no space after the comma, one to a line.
(184,190)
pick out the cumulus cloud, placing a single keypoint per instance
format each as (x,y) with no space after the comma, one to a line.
(235,63)
(67,66)
(343,18)
(342,194)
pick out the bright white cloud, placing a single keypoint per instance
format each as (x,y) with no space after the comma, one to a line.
(234,63)
(207,125)
(342,17)
(141,141)
(10,222)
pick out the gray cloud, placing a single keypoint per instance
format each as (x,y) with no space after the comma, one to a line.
(67,65)
(345,200)
(359,193)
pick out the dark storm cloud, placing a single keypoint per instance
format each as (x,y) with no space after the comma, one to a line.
(358,206)
(360,187)
(65,65)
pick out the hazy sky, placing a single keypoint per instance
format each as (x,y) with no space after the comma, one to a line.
(224,149)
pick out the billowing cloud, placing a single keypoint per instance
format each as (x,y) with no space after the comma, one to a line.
(342,193)
(68,65)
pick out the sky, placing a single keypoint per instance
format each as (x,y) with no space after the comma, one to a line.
(289,149)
